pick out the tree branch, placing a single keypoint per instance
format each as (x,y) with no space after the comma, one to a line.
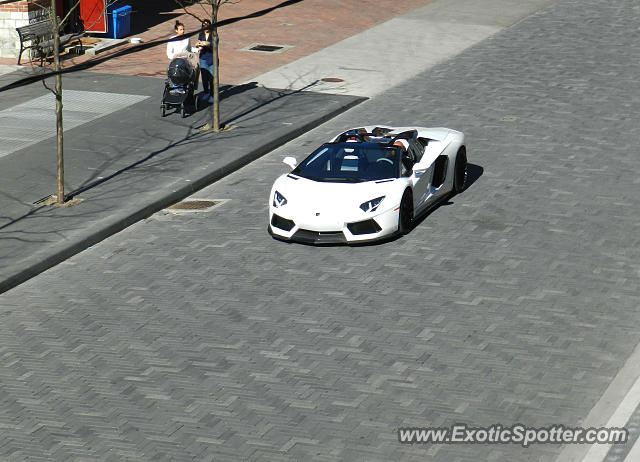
(44,83)
(64,20)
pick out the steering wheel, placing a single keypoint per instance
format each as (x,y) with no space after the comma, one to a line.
(384,159)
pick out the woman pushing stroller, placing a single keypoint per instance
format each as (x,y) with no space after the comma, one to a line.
(182,74)
(178,47)
(177,44)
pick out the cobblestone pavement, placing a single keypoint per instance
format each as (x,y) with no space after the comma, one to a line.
(198,337)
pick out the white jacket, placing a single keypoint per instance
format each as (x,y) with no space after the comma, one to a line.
(177,46)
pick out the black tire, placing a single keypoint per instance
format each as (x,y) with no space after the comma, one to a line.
(184,110)
(460,173)
(405,217)
(164,113)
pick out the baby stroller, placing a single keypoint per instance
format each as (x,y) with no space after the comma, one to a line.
(180,85)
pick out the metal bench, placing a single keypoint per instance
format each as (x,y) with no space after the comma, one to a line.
(40,34)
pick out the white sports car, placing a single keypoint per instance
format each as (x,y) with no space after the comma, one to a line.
(366,184)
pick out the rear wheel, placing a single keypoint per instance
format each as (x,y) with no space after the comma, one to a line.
(460,174)
(405,217)
(184,110)
(164,112)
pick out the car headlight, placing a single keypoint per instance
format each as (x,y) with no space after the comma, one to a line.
(278,200)
(371,205)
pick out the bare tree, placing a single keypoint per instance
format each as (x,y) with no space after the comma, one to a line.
(58,94)
(201,9)
(57,25)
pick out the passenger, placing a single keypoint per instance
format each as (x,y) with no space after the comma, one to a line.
(364,135)
(206,60)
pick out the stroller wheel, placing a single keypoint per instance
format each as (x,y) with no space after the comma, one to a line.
(184,111)
(164,112)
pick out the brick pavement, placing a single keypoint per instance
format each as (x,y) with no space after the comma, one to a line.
(182,338)
(309,26)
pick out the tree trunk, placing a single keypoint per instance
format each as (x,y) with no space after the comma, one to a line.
(58,94)
(215,108)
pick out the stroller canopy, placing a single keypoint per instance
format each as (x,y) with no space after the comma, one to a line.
(180,72)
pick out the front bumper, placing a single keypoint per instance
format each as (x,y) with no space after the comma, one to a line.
(286,228)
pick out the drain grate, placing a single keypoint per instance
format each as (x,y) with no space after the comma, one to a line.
(194,204)
(266,48)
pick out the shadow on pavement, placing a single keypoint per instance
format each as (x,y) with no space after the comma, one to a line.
(149,13)
(280,95)
(226,91)
(474,172)
(193,135)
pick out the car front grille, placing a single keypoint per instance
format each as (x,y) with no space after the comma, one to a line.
(322,237)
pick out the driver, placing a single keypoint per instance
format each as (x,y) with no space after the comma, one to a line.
(391,154)
(404,144)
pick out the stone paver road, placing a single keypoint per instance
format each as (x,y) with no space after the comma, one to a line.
(198,337)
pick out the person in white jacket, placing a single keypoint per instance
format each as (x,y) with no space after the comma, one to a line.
(176,46)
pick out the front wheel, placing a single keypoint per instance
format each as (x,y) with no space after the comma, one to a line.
(460,174)
(405,217)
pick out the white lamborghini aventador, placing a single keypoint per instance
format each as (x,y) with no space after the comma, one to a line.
(366,184)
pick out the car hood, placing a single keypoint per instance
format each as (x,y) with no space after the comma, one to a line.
(302,193)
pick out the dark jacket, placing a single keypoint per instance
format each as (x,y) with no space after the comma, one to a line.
(206,53)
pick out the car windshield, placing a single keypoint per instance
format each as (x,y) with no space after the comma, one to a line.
(351,162)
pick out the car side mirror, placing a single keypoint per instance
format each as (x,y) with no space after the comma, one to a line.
(290,161)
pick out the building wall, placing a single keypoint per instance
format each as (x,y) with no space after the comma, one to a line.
(14,15)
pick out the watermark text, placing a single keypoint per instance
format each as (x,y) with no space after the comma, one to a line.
(516,434)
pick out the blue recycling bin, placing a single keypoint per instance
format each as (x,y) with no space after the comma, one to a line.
(119,21)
